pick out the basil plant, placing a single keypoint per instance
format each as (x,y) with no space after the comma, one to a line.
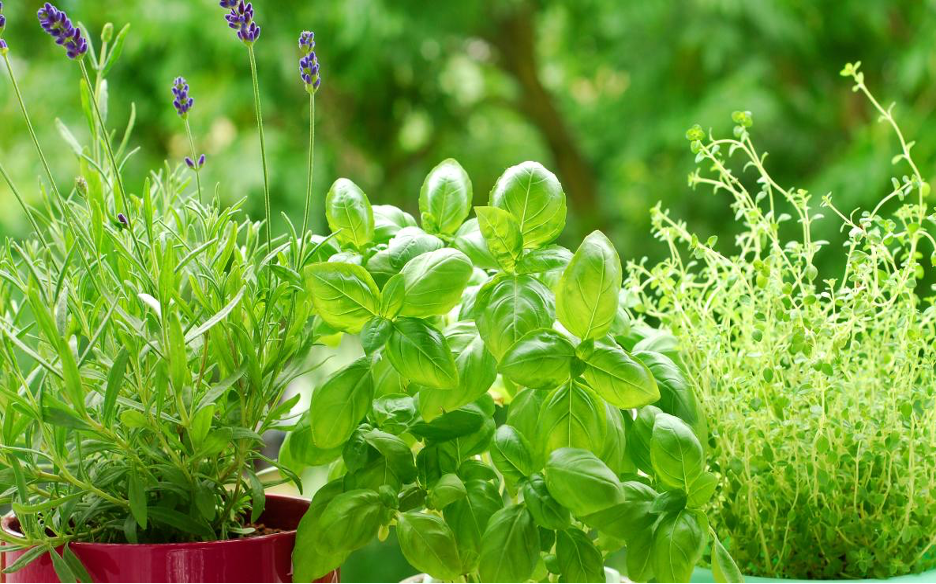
(491,419)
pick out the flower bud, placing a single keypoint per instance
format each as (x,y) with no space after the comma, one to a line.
(81,186)
(108,33)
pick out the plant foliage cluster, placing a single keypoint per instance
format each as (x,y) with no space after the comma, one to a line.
(820,390)
(490,420)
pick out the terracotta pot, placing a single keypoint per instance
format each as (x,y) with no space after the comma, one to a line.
(266,558)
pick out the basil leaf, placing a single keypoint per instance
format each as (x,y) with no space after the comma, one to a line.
(445,198)
(344,295)
(446,491)
(434,282)
(461,422)
(339,405)
(411,242)
(678,543)
(545,261)
(535,198)
(541,359)
(639,437)
(388,220)
(617,377)
(392,297)
(510,546)
(546,511)
(470,242)
(675,453)
(312,556)
(421,354)
(477,371)
(396,452)
(351,520)
(393,412)
(614,452)
(581,482)
(468,518)
(512,456)
(579,559)
(378,266)
(724,567)
(428,544)
(587,293)
(375,334)
(502,235)
(299,447)
(387,380)
(676,395)
(510,307)
(349,213)
(524,411)
(639,561)
(572,417)
(629,519)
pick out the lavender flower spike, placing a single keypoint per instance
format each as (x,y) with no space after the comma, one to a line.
(308,64)
(241,19)
(182,102)
(2,19)
(59,26)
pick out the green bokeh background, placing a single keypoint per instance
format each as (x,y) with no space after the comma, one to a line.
(600,91)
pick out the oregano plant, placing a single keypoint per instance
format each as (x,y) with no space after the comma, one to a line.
(503,415)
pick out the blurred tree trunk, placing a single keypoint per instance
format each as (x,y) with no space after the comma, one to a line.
(514,35)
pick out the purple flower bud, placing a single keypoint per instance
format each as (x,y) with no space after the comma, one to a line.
(59,26)
(2,19)
(122,219)
(189,163)
(3,47)
(308,64)
(182,102)
(201,161)
(241,19)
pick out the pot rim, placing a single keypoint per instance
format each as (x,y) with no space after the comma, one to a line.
(6,524)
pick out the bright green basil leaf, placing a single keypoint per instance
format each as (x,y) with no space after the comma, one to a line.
(639,560)
(393,412)
(510,546)
(572,417)
(446,491)
(548,262)
(398,455)
(581,482)
(587,293)
(387,380)
(388,220)
(344,295)
(541,359)
(375,333)
(512,456)
(301,451)
(411,242)
(676,395)
(339,405)
(702,490)
(501,234)
(445,198)
(351,520)
(614,452)
(509,308)
(470,241)
(313,558)
(469,516)
(524,412)
(477,371)
(378,266)
(629,519)
(678,543)
(349,213)
(421,354)
(546,511)
(639,437)
(535,198)
(669,502)
(434,282)
(428,544)
(393,296)
(659,341)
(724,567)
(579,559)
(675,453)
(461,422)
(617,377)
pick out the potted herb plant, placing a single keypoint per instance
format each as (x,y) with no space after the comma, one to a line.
(819,387)
(147,338)
(489,419)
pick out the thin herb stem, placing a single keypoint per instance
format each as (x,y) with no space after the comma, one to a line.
(197,169)
(266,178)
(308,201)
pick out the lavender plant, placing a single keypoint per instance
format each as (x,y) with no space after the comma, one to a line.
(819,387)
(183,104)
(147,339)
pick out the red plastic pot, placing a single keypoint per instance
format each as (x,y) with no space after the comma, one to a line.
(266,558)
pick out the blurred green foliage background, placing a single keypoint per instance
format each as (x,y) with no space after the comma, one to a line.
(600,91)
